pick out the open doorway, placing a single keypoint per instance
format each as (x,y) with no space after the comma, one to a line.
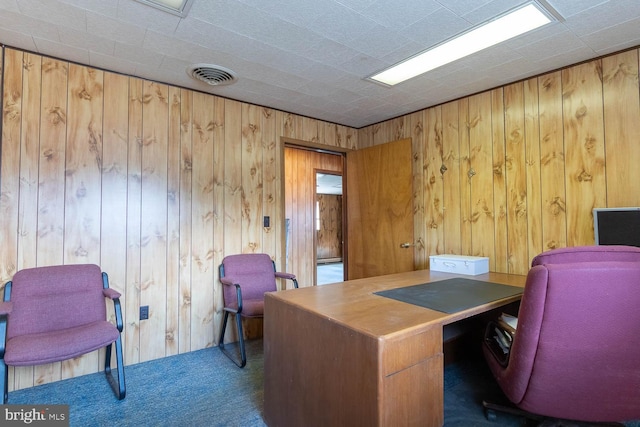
(329,228)
(300,167)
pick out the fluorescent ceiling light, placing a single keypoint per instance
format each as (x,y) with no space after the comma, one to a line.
(518,21)
(176,7)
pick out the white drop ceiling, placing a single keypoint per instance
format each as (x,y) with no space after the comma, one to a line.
(328,183)
(311,57)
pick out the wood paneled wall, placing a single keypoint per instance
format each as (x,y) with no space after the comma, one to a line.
(157,183)
(300,172)
(517,170)
(329,236)
(154,183)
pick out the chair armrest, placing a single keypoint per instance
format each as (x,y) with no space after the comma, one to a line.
(111,293)
(115,297)
(5,307)
(288,276)
(227,281)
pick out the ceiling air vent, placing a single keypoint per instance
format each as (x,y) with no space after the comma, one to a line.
(214,75)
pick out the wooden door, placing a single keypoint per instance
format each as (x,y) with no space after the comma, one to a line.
(379,220)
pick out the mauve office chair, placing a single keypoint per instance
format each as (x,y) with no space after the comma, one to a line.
(56,313)
(245,279)
(575,354)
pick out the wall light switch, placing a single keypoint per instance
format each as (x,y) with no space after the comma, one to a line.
(266,221)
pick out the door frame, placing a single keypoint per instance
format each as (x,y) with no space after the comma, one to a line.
(318,148)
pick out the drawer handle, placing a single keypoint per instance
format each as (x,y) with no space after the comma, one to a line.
(449,264)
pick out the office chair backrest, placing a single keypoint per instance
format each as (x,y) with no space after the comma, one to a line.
(588,254)
(254,272)
(54,298)
(575,354)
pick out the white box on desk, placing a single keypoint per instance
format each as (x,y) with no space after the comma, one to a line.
(462,264)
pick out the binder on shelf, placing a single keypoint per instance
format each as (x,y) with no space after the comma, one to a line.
(499,336)
(508,322)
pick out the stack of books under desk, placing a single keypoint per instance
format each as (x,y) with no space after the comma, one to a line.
(500,334)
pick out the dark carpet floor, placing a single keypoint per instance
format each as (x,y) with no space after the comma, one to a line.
(203,388)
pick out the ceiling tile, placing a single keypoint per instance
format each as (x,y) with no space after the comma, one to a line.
(311,56)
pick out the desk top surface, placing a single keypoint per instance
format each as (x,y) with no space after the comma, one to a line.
(355,305)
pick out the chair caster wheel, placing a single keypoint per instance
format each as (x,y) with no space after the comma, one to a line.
(489,414)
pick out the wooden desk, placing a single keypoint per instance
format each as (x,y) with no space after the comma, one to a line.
(338,355)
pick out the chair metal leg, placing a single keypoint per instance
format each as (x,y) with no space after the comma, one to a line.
(243,355)
(4,371)
(539,420)
(118,386)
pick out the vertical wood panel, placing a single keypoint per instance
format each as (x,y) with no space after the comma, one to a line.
(516,178)
(289,205)
(310,130)
(113,259)
(290,125)
(280,228)
(219,161)
(153,237)
(10,181)
(465,181)
(452,222)
(53,134)
(173,223)
(302,240)
(415,131)
(329,241)
(134,192)
(233,177)
(202,220)
(481,184)
(186,235)
(252,190)
(29,162)
(29,179)
(432,184)
(83,188)
(584,148)
(499,181)
(251,179)
(532,153)
(233,184)
(554,224)
(271,203)
(621,113)
(83,165)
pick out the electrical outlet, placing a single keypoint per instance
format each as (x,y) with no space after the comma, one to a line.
(144,312)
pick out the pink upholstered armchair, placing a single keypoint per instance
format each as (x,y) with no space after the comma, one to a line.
(576,350)
(245,279)
(56,313)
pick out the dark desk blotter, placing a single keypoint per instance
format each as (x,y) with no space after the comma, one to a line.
(451,295)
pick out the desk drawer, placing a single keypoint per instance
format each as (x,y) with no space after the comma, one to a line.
(402,352)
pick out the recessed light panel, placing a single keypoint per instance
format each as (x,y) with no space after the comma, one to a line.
(175,7)
(512,24)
